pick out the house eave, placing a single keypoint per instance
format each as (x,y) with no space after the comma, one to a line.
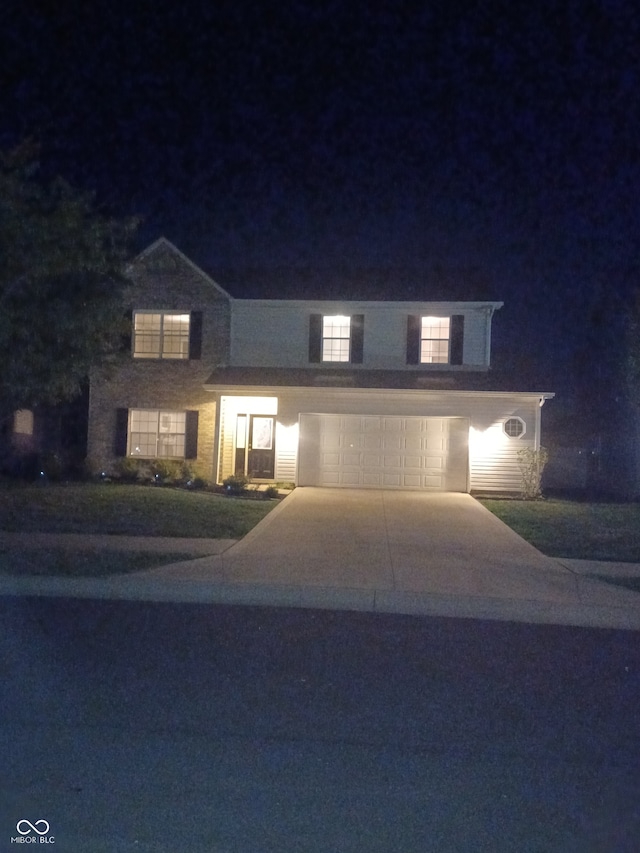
(319,390)
(241,380)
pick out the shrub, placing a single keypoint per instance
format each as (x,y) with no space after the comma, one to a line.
(127,470)
(532,464)
(270,492)
(169,471)
(196,483)
(236,484)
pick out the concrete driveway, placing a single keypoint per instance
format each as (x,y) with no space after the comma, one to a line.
(355,549)
(403,552)
(445,543)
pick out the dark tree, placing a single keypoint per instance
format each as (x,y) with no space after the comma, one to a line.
(61,277)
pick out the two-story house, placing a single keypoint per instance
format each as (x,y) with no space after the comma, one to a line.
(368,394)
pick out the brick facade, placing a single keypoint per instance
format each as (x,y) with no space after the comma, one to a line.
(163,279)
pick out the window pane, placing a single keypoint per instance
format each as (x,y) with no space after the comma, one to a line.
(435,327)
(335,350)
(336,327)
(146,335)
(434,352)
(175,340)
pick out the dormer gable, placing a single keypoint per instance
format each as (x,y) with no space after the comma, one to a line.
(163,260)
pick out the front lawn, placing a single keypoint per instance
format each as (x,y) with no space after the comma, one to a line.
(127,510)
(572,529)
(85,562)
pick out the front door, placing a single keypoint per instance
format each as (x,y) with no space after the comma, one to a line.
(255,447)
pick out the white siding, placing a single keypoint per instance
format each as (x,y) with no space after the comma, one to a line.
(286,453)
(275,333)
(498,469)
(492,455)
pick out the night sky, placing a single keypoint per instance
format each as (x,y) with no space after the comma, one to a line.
(434,150)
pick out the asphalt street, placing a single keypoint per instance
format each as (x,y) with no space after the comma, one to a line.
(138,726)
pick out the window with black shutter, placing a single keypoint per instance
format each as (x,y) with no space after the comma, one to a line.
(336,338)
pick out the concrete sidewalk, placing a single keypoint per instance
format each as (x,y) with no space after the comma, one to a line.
(399,552)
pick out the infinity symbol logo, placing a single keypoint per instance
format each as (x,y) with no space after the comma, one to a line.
(33,827)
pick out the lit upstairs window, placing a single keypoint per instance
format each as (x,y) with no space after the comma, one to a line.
(161,334)
(434,340)
(336,338)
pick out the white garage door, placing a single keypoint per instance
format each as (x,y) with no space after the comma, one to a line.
(383,452)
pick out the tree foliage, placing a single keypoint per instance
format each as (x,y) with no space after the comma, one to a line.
(61,277)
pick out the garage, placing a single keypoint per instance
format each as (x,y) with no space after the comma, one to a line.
(389,452)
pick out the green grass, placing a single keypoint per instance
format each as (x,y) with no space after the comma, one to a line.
(572,529)
(88,562)
(127,510)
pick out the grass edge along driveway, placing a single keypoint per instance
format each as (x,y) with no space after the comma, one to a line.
(574,529)
(128,511)
(117,510)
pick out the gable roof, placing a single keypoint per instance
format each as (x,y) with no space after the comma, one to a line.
(162,244)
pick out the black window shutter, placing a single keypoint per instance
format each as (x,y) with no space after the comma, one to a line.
(357,338)
(191,435)
(457,339)
(122,426)
(127,331)
(413,339)
(195,335)
(315,338)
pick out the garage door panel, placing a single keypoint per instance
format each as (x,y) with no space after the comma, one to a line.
(350,459)
(426,453)
(432,481)
(372,460)
(391,480)
(372,442)
(413,461)
(410,481)
(392,442)
(436,462)
(370,424)
(350,424)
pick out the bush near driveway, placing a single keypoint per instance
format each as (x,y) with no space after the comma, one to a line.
(572,529)
(126,510)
